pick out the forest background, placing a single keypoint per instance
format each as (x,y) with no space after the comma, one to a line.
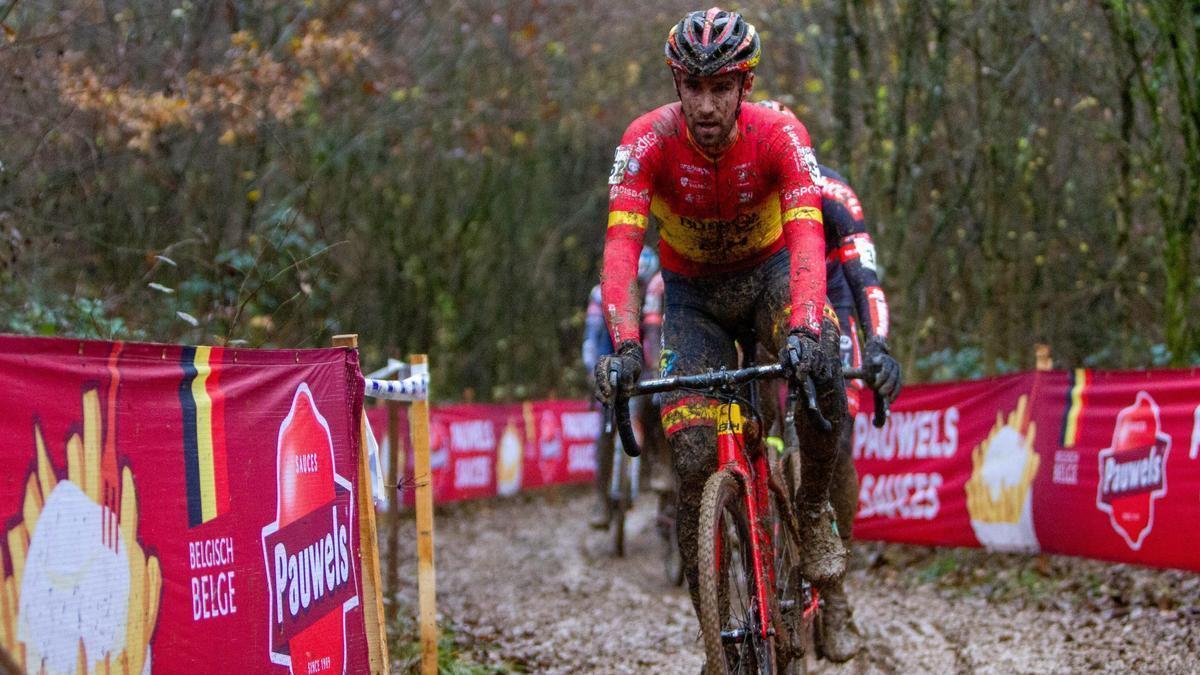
(432,175)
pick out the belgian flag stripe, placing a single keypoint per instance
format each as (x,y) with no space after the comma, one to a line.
(191,459)
(205,457)
(220,458)
(1075,403)
(204,444)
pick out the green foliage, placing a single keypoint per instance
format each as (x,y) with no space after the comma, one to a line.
(959,364)
(64,316)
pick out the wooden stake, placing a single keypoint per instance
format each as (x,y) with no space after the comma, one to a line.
(368,549)
(396,461)
(1042,358)
(426,578)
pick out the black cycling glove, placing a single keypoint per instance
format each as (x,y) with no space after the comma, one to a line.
(883,371)
(628,361)
(801,354)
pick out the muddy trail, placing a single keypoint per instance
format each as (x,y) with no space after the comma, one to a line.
(525,585)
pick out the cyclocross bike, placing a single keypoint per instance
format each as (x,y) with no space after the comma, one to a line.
(757,615)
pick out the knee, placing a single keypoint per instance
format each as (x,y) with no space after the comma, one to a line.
(694,455)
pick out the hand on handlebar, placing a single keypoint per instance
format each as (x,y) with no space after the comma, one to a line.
(801,354)
(883,371)
(626,363)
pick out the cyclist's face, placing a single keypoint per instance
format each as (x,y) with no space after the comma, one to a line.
(710,106)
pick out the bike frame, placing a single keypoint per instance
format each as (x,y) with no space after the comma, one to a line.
(750,466)
(754,473)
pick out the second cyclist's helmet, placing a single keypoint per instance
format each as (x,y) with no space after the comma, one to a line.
(712,42)
(777,107)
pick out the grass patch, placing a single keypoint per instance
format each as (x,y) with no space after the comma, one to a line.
(404,644)
(943,563)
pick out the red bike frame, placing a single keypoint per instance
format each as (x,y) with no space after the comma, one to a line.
(754,474)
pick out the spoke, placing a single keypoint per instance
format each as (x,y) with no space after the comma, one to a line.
(742,617)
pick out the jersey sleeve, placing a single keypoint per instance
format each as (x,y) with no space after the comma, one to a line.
(803,228)
(855,251)
(630,184)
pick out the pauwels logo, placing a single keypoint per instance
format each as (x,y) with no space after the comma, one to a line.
(307,550)
(1133,471)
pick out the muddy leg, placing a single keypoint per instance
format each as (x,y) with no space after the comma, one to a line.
(695,455)
(843,490)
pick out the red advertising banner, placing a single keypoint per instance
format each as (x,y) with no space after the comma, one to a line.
(1088,463)
(159,501)
(482,450)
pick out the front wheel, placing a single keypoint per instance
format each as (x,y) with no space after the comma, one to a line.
(729,622)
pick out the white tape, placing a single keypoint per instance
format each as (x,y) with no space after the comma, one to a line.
(413,388)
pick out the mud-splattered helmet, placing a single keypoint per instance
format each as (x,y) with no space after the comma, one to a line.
(712,42)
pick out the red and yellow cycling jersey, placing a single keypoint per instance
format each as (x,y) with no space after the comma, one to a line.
(715,214)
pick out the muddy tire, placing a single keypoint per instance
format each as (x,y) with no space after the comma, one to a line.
(727,583)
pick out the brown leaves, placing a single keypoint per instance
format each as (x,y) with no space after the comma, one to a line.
(251,86)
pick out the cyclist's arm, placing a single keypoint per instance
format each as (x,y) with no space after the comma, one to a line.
(628,215)
(652,314)
(595,334)
(803,230)
(856,253)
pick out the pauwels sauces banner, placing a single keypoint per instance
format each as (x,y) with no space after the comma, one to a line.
(307,547)
(1097,464)
(159,501)
(915,473)
(485,450)
(1122,480)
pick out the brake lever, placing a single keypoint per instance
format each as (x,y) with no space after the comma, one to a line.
(881,403)
(881,410)
(624,422)
(810,405)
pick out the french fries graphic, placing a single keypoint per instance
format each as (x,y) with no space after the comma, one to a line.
(50,611)
(994,496)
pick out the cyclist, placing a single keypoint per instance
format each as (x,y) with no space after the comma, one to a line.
(596,344)
(735,191)
(852,285)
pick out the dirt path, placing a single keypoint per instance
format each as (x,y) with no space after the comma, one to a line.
(524,581)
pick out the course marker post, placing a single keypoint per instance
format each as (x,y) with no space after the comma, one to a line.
(396,462)
(426,577)
(369,546)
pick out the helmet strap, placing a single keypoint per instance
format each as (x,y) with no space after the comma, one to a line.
(747,80)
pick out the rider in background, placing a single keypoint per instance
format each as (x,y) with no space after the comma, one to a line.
(596,344)
(854,291)
(735,191)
